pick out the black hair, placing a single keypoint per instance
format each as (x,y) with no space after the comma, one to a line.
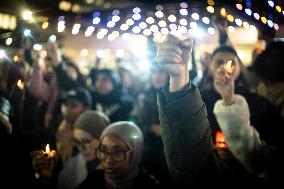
(269,65)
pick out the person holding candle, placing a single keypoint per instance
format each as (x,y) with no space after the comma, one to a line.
(244,141)
(263,113)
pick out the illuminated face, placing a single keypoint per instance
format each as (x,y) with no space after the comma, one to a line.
(103,84)
(114,155)
(72,73)
(85,143)
(221,58)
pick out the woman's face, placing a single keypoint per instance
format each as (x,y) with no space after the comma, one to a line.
(103,84)
(86,144)
(219,59)
(114,155)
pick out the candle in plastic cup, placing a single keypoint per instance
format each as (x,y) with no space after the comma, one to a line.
(21,84)
(229,67)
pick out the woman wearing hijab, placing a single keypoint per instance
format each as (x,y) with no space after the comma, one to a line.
(120,152)
(109,98)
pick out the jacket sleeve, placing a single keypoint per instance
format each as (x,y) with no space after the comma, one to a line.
(242,138)
(186,136)
(64,81)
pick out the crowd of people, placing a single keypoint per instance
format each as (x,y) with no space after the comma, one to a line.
(109,133)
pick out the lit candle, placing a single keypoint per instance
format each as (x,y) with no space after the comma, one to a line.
(51,153)
(229,67)
(21,84)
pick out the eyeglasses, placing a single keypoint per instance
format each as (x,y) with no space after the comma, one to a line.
(118,154)
(80,144)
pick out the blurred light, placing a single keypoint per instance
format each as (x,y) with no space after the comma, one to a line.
(210,2)
(101,53)
(136,16)
(239,6)
(205,20)
(115,34)
(115,12)
(150,20)
(115,18)
(183,5)
(45,25)
(84,52)
(2,54)
(96,20)
(76,8)
(230,18)
(110,24)
(37,47)
(211,31)
(248,12)
(195,16)
(136,10)
(183,12)
(271,3)
(60,28)
(125,36)
(76,29)
(142,25)
(100,35)
(154,28)
(162,23)
(27,15)
(256,16)
(231,29)
(276,26)
(278,8)
(120,53)
(263,19)
(111,37)
(165,31)
(27,32)
(9,41)
(43,54)
(252,27)
(159,14)
(89,1)
(52,38)
(65,5)
(103,31)
(182,29)
(136,29)
(210,9)
(223,12)
(196,33)
(183,22)
(270,23)
(157,37)
(241,54)
(96,14)
(147,32)
(89,31)
(129,22)
(238,22)
(144,65)
(172,18)
(124,27)
(173,26)
(246,25)
(16,58)
(193,25)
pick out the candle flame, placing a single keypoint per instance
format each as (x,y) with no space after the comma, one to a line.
(20,84)
(47,149)
(229,67)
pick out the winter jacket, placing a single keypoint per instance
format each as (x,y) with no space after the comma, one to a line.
(244,140)
(187,141)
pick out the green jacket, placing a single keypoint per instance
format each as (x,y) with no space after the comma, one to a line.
(187,139)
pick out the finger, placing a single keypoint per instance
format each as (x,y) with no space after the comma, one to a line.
(168,56)
(188,42)
(167,53)
(166,60)
(170,47)
(172,39)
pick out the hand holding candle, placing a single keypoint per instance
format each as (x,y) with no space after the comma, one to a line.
(50,153)
(229,67)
